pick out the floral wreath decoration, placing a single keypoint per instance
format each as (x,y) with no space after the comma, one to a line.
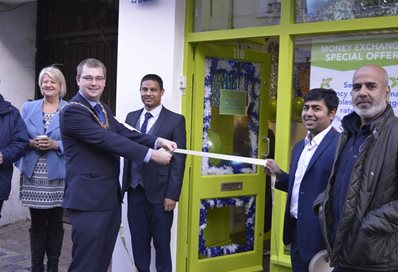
(249,203)
(230,74)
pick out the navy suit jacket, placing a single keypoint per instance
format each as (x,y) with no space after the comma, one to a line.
(161,181)
(309,235)
(92,156)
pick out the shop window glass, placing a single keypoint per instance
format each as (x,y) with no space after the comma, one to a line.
(231,14)
(226,226)
(330,62)
(333,10)
(231,116)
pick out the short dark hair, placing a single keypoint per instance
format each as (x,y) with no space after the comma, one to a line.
(328,95)
(153,77)
(92,63)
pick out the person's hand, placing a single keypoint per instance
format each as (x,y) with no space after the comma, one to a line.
(161,156)
(166,144)
(169,204)
(1,158)
(43,143)
(34,143)
(271,168)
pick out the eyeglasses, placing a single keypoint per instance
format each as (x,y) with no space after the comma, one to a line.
(91,79)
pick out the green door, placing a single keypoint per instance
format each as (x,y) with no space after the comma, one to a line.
(226,198)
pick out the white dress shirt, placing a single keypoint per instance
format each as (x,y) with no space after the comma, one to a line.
(308,151)
(155,115)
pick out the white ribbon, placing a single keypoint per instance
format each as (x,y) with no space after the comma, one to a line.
(222,156)
(261,162)
(255,161)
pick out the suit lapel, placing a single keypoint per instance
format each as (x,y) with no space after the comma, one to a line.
(296,156)
(135,119)
(293,167)
(36,118)
(55,121)
(322,146)
(80,99)
(110,122)
(161,119)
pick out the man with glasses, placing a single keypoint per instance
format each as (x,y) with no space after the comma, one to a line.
(154,189)
(93,141)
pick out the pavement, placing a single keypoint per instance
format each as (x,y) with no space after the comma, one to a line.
(15,248)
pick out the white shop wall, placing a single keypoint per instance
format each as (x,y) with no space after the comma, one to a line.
(151,36)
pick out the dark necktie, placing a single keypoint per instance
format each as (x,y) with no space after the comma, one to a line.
(100,114)
(145,124)
(136,178)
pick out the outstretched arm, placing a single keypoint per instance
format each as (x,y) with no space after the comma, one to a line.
(282,178)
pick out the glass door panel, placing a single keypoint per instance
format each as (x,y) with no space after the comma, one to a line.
(231,88)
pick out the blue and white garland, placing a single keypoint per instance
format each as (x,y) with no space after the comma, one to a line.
(236,75)
(250,210)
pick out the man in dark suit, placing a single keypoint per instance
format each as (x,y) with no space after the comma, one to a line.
(93,141)
(154,189)
(310,167)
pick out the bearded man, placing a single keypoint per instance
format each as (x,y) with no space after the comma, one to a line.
(359,209)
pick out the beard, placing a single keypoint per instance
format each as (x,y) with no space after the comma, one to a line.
(373,111)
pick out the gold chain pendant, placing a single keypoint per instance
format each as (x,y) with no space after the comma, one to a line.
(106,125)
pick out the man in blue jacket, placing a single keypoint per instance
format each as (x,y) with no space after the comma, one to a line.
(310,167)
(14,142)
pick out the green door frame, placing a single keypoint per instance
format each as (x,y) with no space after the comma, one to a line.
(286,31)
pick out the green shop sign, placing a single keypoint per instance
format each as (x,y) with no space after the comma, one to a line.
(345,55)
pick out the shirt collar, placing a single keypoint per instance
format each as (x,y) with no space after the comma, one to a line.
(317,139)
(92,103)
(155,112)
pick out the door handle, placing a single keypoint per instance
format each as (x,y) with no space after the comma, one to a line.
(265,155)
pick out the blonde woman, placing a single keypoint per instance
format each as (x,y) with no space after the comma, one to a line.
(43,170)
